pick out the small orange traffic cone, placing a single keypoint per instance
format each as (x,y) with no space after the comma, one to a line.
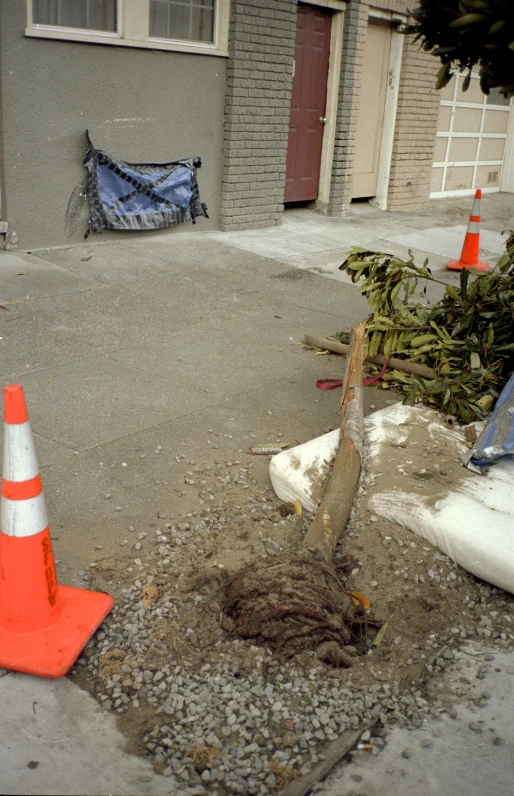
(43,626)
(470,250)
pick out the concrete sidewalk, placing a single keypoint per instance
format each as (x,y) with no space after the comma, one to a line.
(133,352)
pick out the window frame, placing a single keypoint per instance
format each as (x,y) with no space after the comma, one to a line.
(133,25)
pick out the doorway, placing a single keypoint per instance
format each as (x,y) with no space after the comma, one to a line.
(370,122)
(308,103)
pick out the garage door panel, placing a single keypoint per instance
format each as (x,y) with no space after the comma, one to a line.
(473,94)
(463,149)
(445,118)
(440,150)
(496,122)
(467,120)
(437,180)
(459,178)
(488,176)
(492,149)
(448,91)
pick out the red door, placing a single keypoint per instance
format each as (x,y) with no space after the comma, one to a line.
(308,101)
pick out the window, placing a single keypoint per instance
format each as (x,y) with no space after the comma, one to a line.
(87,14)
(187,20)
(199,26)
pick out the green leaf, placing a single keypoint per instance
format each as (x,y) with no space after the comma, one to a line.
(464,278)
(464,413)
(475,361)
(374,344)
(381,633)
(485,402)
(422,339)
(467,19)
(497,27)
(452,292)
(505,348)
(444,76)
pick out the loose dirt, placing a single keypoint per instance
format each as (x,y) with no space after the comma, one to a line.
(235,521)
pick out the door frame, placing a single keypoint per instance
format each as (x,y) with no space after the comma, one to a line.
(332,101)
(338,8)
(391,105)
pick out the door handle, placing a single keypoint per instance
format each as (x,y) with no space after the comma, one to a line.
(323,119)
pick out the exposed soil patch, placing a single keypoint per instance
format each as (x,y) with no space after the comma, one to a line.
(190,694)
(295,604)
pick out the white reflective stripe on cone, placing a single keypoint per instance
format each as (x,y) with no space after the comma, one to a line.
(20,462)
(476,207)
(474,226)
(23,517)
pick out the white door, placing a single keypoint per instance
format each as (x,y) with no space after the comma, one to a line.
(368,139)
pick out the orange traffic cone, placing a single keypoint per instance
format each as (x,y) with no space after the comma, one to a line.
(43,626)
(470,250)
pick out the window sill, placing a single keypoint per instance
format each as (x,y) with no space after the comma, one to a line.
(114,39)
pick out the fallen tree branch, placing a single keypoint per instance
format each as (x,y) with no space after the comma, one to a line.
(328,524)
(333,755)
(397,364)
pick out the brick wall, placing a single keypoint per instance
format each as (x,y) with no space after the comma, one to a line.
(261,46)
(354,39)
(416,126)
(259,76)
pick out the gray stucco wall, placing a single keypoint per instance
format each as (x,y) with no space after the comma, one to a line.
(139,105)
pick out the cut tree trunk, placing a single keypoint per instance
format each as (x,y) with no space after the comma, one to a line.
(328,525)
(298,601)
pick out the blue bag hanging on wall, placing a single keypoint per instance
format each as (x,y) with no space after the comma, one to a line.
(140,196)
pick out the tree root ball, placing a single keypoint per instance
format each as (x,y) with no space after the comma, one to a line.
(295,603)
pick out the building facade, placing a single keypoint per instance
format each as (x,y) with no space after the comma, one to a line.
(323,102)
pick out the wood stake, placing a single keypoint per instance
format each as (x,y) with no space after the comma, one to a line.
(334,753)
(397,364)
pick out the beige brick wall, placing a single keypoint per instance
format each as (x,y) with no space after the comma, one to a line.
(416,126)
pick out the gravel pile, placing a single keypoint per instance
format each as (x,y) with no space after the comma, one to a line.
(224,716)
(243,723)
(237,730)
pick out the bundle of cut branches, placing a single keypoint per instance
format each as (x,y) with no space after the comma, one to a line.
(467,337)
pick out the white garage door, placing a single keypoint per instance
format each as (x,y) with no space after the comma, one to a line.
(473,142)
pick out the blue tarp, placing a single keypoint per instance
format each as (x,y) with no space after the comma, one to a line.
(138,196)
(497,438)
